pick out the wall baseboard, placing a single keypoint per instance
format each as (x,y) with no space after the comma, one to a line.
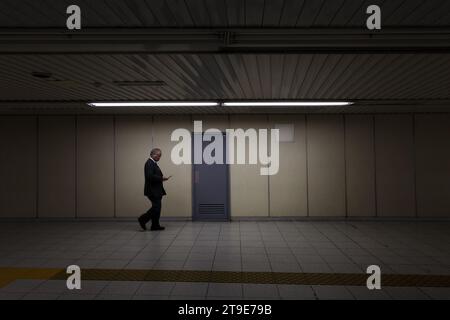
(239,219)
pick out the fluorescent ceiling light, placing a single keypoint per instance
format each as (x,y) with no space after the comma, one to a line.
(287,104)
(153,104)
(226,104)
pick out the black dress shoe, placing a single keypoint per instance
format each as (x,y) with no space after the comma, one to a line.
(157,228)
(142,224)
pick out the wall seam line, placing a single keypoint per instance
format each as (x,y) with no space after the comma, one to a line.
(345,165)
(414,164)
(76,167)
(307,165)
(375,164)
(37,168)
(268,176)
(230,213)
(114,166)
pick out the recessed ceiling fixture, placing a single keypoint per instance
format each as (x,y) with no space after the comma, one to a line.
(287,104)
(154,104)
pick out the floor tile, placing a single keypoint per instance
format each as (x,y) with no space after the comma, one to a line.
(41,296)
(363,293)
(437,293)
(296,292)
(404,293)
(190,289)
(225,290)
(121,288)
(21,286)
(155,288)
(260,291)
(332,293)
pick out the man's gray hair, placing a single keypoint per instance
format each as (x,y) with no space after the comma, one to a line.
(154,151)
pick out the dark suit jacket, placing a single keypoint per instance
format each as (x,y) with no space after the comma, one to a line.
(153,180)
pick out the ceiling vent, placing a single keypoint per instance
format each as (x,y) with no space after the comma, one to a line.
(42,75)
(156,83)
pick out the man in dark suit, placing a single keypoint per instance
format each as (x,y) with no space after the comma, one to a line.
(154,191)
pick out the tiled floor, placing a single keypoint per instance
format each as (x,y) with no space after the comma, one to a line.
(283,246)
(127,290)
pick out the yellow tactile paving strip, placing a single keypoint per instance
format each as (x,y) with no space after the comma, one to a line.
(8,275)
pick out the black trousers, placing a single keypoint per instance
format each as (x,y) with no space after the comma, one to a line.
(154,213)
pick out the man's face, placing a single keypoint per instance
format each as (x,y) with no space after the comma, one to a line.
(157,156)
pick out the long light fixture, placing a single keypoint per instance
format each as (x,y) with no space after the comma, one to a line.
(154,104)
(225,104)
(287,104)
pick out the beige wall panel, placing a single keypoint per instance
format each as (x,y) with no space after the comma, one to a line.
(432,146)
(133,145)
(56,193)
(213,121)
(326,165)
(360,165)
(394,165)
(95,166)
(18,171)
(288,188)
(249,192)
(178,202)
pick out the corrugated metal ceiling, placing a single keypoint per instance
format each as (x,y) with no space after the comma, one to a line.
(78,78)
(223,13)
(220,76)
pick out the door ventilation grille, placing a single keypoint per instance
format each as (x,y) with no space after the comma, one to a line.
(212,209)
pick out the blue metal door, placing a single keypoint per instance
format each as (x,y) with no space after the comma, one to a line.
(210,183)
